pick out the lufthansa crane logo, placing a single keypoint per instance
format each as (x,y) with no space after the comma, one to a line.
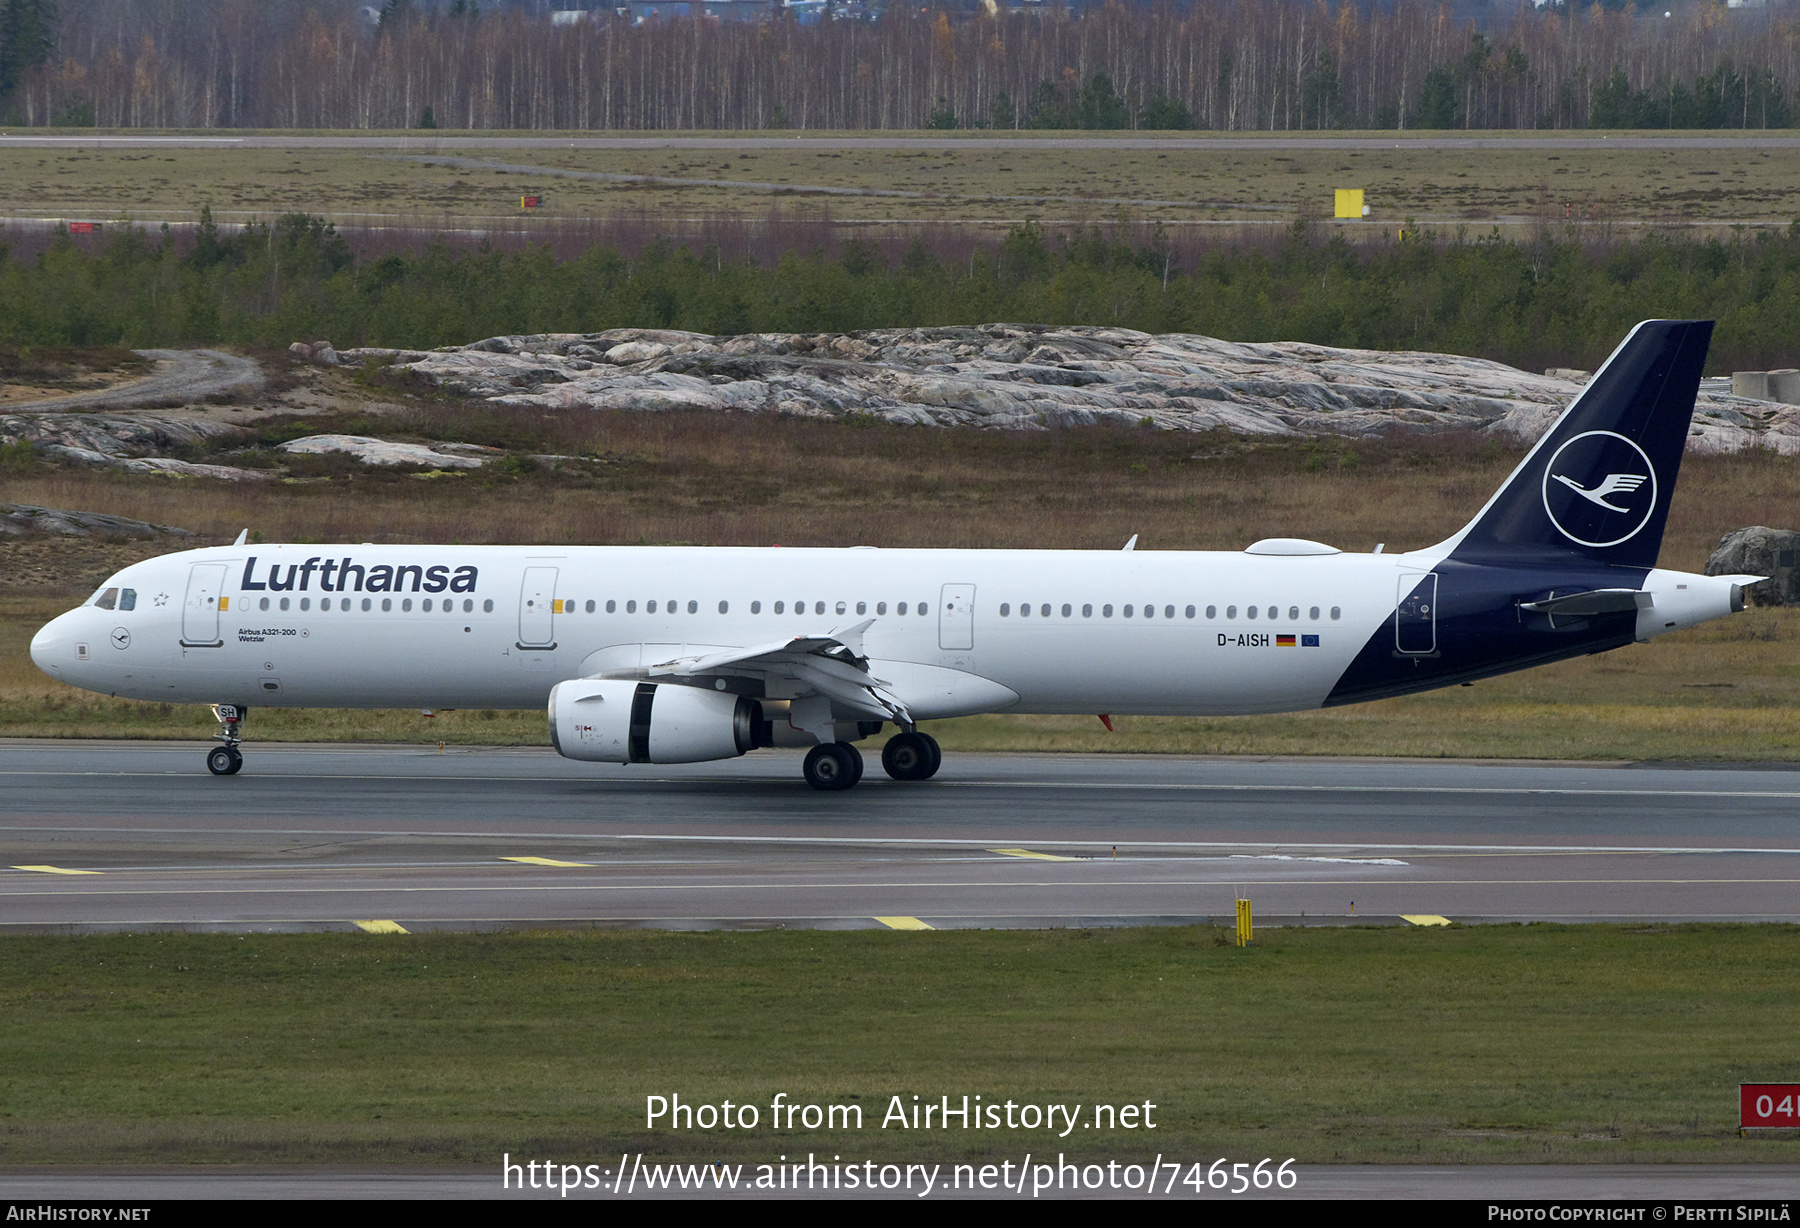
(1599,489)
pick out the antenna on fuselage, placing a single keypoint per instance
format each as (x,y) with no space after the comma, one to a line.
(1132,544)
(242,538)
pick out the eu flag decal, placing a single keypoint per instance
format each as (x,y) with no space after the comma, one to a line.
(1309,641)
(1284,641)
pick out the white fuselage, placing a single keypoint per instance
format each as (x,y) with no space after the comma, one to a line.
(498,626)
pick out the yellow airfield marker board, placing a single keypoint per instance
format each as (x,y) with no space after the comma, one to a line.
(1424,918)
(904,923)
(54,870)
(1349,202)
(545,861)
(379,927)
(1032,855)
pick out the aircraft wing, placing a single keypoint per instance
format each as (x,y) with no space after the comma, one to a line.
(831,664)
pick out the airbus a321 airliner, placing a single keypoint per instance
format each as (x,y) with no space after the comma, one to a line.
(679,655)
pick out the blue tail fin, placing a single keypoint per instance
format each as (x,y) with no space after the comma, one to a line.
(1597,485)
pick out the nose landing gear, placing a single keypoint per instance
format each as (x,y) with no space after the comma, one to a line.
(227,760)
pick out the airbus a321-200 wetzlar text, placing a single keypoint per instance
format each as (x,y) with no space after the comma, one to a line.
(682,655)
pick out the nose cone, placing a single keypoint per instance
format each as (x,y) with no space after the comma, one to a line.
(53,647)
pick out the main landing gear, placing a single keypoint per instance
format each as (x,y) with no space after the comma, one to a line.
(911,756)
(839,765)
(832,766)
(227,760)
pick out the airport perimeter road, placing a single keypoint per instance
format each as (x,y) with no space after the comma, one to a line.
(135,835)
(419,143)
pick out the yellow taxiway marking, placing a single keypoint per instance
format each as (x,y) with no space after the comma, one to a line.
(1032,855)
(904,923)
(1424,918)
(54,870)
(545,861)
(380,927)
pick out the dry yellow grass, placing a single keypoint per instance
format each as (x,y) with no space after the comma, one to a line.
(954,181)
(720,480)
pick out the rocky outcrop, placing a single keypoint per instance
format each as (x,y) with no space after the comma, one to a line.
(371,451)
(1760,551)
(118,441)
(17,519)
(1031,377)
(110,434)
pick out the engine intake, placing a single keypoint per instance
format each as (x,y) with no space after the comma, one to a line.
(643,722)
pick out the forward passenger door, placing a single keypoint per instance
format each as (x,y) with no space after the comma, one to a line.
(537,608)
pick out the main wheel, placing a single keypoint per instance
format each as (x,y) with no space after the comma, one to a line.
(856,763)
(223,761)
(937,755)
(832,766)
(911,756)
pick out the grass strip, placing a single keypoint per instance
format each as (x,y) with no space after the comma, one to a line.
(1533,1043)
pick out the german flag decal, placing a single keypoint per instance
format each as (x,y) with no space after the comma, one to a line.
(1285,641)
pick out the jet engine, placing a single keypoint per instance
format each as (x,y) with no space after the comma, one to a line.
(642,722)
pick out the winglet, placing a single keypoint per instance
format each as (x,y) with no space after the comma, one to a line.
(851,637)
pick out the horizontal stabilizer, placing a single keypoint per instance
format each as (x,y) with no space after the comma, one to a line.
(1599,601)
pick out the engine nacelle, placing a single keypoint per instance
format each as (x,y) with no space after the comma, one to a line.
(642,722)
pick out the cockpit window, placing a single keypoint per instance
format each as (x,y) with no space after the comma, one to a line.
(107,599)
(128,599)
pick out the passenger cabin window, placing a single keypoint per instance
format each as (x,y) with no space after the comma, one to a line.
(264,604)
(756,607)
(1335,612)
(901,608)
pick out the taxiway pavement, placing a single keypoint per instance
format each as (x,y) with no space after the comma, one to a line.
(109,836)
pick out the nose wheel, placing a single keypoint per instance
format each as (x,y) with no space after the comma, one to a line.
(831,766)
(227,759)
(911,756)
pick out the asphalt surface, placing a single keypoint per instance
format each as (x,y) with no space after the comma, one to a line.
(108,836)
(435,142)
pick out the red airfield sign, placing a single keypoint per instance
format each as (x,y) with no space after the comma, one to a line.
(1764,1106)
